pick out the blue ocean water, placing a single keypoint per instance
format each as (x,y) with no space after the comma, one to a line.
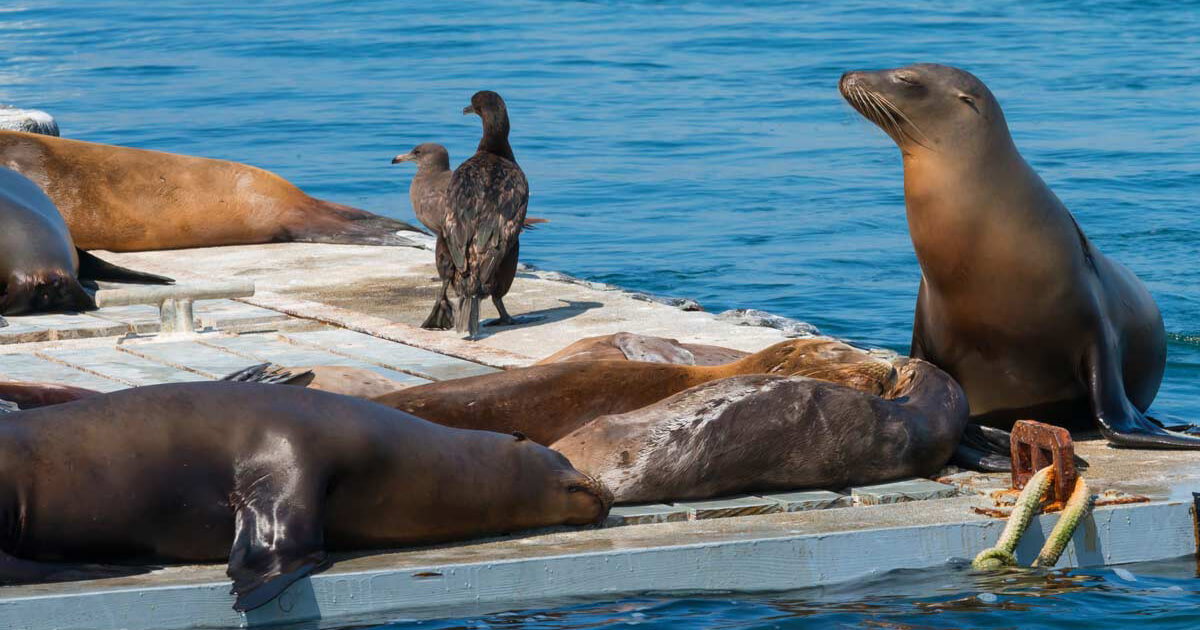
(694,148)
(1162,596)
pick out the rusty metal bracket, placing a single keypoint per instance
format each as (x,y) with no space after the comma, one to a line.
(1036,445)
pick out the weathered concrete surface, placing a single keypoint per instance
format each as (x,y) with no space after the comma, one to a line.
(396,285)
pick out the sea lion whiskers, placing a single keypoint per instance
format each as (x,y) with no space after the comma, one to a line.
(896,111)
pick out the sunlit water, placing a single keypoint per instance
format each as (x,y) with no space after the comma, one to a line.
(695,149)
(1162,596)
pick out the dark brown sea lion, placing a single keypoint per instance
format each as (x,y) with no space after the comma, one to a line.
(124,199)
(488,195)
(546,402)
(763,432)
(1015,302)
(31,395)
(624,346)
(268,477)
(40,267)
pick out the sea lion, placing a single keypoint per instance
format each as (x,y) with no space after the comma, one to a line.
(428,195)
(488,197)
(125,199)
(268,477)
(348,381)
(1015,302)
(624,346)
(762,432)
(546,402)
(41,269)
(31,395)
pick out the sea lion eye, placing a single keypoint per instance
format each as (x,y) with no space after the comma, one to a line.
(575,488)
(904,78)
(969,101)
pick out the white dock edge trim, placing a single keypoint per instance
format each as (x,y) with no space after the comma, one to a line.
(1112,535)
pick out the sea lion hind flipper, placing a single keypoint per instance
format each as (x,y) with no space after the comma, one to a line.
(1121,423)
(975,451)
(278,537)
(271,374)
(93,268)
(8,406)
(369,230)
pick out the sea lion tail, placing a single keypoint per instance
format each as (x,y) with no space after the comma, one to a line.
(270,373)
(92,268)
(337,224)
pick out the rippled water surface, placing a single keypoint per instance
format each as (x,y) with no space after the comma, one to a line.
(1162,596)
(698,148)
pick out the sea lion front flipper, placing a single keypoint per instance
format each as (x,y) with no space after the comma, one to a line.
(1119,421)
(3,322)
(92,268)
(278,537)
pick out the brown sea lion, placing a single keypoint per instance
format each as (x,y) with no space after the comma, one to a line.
(762,432)
(268,477)
(348,381)
(546,402)
(125,199)
(1015,302)
(624,346)
(31,395)
(41,269)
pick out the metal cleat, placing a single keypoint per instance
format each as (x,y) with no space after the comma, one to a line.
(175,302)
(1036,445)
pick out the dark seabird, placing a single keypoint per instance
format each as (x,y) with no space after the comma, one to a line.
(429,202)
(488,196)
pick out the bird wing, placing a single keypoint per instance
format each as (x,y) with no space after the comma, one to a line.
(488,197)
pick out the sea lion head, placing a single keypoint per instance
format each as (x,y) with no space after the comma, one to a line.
(928,107)
(427,155)
(827,360)
(43,290)
(562,493)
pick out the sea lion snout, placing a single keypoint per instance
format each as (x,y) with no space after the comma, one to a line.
(594,499)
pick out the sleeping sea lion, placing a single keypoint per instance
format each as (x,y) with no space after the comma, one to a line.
(268,477)
(624,346)
(124,199)
(41,269)
(761,432)
(546,402)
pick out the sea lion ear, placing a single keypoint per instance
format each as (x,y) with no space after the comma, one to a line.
(520,436)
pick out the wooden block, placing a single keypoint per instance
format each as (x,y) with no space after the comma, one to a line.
(729,506)
(644,514)
(809,500)
(902,491)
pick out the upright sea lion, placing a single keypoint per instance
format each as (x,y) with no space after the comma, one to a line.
(268,477)
(488,197)
(546,402)
(624,346)
(124,199)
(1015,302)
(40,267)
(762,432)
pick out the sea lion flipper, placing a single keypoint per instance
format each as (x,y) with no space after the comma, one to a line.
(8,406)
(93,268)
(278,537)
(1121,423)
(270,374)
(3,322)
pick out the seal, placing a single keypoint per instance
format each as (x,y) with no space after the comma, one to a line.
(626,346)
(124,199)
(31,395)
(1015,302)
(762,432)
(546,402)
(488,197)
(260,475)
(41,269)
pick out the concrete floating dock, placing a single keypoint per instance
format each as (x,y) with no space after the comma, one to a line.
(360,306)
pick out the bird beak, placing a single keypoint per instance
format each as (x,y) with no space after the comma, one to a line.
(403,157)
(468,110)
